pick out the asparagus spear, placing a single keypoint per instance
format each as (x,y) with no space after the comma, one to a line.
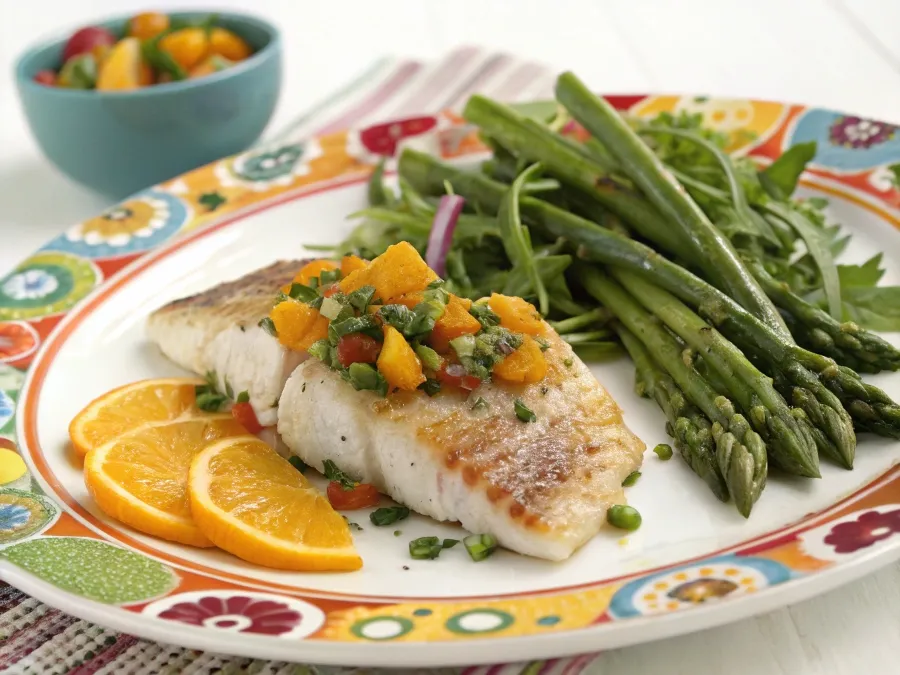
(846,343)
(714,252)
(786,432)
(740,456)
(841,388)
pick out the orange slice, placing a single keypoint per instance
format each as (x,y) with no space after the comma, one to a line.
(252,503)
(141,477)
(131,406)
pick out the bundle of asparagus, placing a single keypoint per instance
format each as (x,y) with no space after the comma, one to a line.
(688,293)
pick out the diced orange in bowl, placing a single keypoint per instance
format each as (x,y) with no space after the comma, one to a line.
(251,502)
(131,406)
(526,365)
(141,477)
(516,314)
(398,362)
(147,25)
(453,323)
(351,263)
(223,42)
(314,269)
(123,67)
(187,46)
(209,65)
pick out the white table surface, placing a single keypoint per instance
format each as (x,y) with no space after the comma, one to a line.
(837,53)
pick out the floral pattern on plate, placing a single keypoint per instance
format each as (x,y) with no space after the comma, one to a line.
(846,142)
(241,612)
(261,170)
(691,585)
(18,340)
(137,224)
(854,534)
(23,514)
(47,283)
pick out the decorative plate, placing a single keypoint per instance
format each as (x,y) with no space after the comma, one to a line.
(71,328)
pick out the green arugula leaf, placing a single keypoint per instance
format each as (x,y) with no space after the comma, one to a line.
(334,474)
(781,177)
(867,274)
(873,307)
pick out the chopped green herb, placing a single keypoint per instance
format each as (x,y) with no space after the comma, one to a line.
(663,451)
(631,479)
(361,298)
(431,387)
(321,349)
(449,543)
(334,474)
(437,283)
(298,463)
(303,293)
(397,533)
(623,517)
(243,397)
(485,315)
(268,325)
(354,324)
(480,546)
(568,363)
(207,395)
(425,548)
(480,404)
(430,358)
(523,412)
(329,277)
(388,515)
(364,376)
(542,343)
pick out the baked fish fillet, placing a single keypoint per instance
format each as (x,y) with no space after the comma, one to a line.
(217,331)
(540,488)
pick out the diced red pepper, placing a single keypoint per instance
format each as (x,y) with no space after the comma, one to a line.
(243,413)
(331,290)
(357,348)
(460,380)
(46,77)
(361,496)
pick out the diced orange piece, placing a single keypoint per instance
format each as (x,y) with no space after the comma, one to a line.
(351,263)
(318,331)
(209,65)
(407,299)
(293,320)
(398,362)
(187,46)
(516,314)
(525,365)
(454,322)
(313,269)
(225,43)
(397,271)
(123,68)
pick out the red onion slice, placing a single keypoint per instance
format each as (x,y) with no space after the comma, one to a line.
(441,235)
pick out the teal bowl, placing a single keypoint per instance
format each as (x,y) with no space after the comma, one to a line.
(120,142)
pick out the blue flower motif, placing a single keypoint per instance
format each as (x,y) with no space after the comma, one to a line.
(7,408)
(13,517)
(30,285)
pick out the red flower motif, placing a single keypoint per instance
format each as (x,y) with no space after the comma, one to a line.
(861,533)
(238,613)
(382,139)
(17,339)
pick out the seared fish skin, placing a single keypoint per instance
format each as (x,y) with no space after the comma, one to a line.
(217,330)
(541,488)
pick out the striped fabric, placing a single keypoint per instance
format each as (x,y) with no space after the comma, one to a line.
(36,639)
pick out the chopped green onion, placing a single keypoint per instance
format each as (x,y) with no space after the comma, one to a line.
(425,548)
(334,474)
(480,546)
(631,479)
(663,451)
(388,515)
(331,308)
(623,517)
(449,543)
(329,276)
(430,358)
(464,345)
(298,463)
(397,533)
(485,315)
(303,293)
(354,324)
(361,298)
(268,325)
(321,350)
(208,397)
(243,397)
(430,386)
(364,376)
(523,412)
